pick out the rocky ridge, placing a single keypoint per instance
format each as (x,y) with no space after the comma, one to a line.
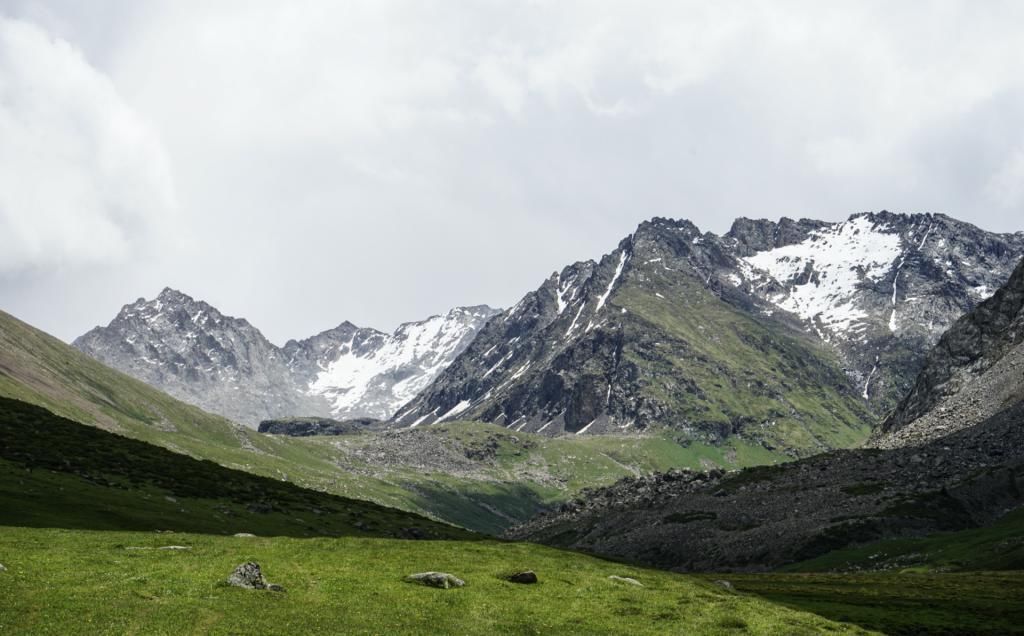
(975,371)
(224,365)
(669,328)
(309,426)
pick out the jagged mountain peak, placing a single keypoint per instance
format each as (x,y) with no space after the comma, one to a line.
(584,352)
(225,365)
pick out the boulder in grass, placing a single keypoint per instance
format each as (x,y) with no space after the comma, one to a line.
(250,576)
(526,577)
(441,580)
(626,580)
(2,568)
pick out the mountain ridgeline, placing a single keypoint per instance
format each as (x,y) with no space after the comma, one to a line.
(796,334)
(226,366)
(793,335)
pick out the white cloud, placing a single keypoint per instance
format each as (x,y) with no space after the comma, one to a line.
(1006,187)
(82,179)
(398,157)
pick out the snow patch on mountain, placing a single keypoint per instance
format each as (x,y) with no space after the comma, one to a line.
(408,361)
(822,273)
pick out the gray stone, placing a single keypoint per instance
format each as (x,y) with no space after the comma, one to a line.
(441,580)
(250,576)
(245,535)
(725,584)
(626,580)
(527,577)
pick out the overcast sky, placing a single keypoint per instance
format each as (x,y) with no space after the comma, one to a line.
(305,163)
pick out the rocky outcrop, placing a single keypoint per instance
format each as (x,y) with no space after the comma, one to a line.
(441,580)
(224,365)
(762,518)
(309,426)
(250,576)
(975,371)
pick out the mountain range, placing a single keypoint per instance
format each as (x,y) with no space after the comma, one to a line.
(792,335)
(950,457)
(224,365)
(796,333)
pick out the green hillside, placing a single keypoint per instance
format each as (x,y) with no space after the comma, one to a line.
(57,473)
(729,373)
(497,490)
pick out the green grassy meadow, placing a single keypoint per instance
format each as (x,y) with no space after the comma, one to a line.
(87,582)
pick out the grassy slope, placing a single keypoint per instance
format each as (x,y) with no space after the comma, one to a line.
(57,473)
(996,547)
(527,474)
(961,604)
(968,582)
(39,369)
(789,388)
(78,582)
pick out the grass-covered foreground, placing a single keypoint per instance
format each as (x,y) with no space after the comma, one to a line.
(897,603)
(89,582)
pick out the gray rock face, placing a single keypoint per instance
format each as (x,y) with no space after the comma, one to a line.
(226,366)
(250,576)
(309,426)
(647,335)
(975,371)
(441,580)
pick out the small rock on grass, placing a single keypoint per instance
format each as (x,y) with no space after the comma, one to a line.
(2,568)
(245,535)
(250,576)
(626,579)
(525,577)
(441,580)
(725,584)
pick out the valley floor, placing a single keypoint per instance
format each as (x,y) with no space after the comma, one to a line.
(89,582)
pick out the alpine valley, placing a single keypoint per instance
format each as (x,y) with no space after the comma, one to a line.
(825,415)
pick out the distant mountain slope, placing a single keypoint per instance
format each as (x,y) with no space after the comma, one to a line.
(57,473)
(763,518)
(878,288)
(226,366)
(791,333)
(975,371)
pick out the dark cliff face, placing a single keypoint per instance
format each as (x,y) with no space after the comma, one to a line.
(775,326)
(974,369)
